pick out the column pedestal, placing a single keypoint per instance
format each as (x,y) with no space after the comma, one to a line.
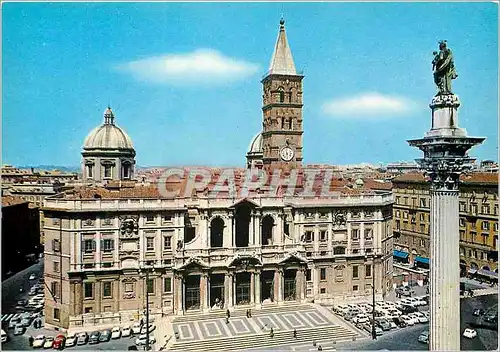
(445,272)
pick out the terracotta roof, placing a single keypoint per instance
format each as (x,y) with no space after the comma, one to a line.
(470,178)
(12,200)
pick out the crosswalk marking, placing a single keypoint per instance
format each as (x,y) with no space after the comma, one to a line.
(7,317)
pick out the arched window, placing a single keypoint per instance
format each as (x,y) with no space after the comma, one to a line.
(267,230)
(282,96)
(216,232)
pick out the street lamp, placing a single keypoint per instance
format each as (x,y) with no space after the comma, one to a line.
(374,333)
(146,270)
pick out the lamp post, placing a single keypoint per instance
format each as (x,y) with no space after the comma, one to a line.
(146,270)
(374,334)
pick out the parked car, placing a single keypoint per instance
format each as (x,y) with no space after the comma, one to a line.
(39,341)
(105,336)
(141,341)
(82,339)
(470,333)
(48,342)
(136,328)
(19,330)
(409,321)
(150,328)
(424,337)
(378,331)
(71,340)
(116,333)
(14,321)
(132,348)
(59,342)
(94,337)
(5,336)
(26,322)
(21,304)
(126,331)
(32,277)
(384,325)
(340,309)
(478,312)
(422,318)
(491,318)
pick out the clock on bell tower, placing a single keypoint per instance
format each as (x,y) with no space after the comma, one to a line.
(282,107)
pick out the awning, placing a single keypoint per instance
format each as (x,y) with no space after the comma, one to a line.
(488,273)
(400,254)
(422,260)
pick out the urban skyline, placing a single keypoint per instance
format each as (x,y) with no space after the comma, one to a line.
(387,83)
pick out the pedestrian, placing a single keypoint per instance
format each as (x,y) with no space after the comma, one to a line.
(271,333)
(227,320)
(228,314)
(249,313)
(294,333)
(314,343)
(142,321)
(320,348)
(31,341)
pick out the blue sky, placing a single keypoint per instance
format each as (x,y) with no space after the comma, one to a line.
(64,63)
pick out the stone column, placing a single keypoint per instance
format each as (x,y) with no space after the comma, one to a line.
(204,292)
(179,294)
(257,289)
(445,149)
(252,288)
(445,271)
(229,290)
(300,284)
(251,230)
(258,238)
(278,285)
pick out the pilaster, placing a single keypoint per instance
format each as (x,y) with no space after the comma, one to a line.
(204,292)
(229,290)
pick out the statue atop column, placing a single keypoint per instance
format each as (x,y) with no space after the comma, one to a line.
(444,69)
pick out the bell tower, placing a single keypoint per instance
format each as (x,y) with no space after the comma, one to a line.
(282,108)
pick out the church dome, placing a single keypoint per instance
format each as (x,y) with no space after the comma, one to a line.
(256,144)
(108,135)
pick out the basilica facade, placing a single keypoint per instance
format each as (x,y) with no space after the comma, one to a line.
(117,246)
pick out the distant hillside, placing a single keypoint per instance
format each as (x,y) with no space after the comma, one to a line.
(53,167)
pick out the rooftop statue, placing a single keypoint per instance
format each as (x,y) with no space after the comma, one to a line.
(444,69)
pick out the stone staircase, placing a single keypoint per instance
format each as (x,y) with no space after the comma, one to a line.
(263,340)
(241,313)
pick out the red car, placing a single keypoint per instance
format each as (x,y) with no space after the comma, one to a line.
(59,341)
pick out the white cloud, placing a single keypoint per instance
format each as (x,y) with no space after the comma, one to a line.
(197,67)
(368,105)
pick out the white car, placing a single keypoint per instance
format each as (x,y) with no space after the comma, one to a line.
(141,341)
(136,328)
(5,337)
(71,340)
(421,317)
(360,319)
(39,341)
(470,333)
(48,342)
(409,321)
(32,277)
(126,331)
(393,325)
(151,328)
(341,309)
(116,333)
(415,318)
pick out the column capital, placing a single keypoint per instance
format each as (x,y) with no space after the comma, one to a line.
(444,173)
